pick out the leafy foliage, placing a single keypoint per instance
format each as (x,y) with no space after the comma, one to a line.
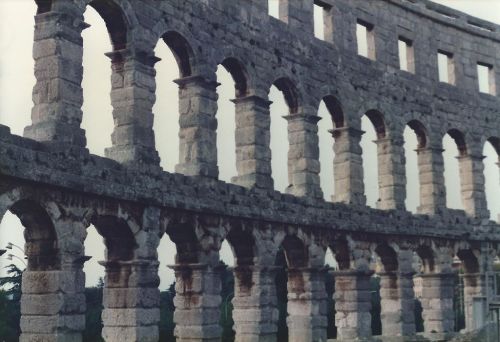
(10,306)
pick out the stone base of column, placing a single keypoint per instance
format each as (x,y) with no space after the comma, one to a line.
(397,303)
(52,306)
(353,305)
(131,302)
(255,313)
(258,181)
(197,303)
(307,309)
(135,156)
(437,302)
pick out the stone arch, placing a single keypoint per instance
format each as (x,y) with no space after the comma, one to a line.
(41,242)
(469,260)
(427,257)
(388,257)
(116,22)
(186,242)
(459,139)
(290,92)
(118,237)
(341,251)
(182,51)
(495,142)
(239,75)
(43,6)
(242,243)
(296,253)
(378,122)
(334,107)
(420,132)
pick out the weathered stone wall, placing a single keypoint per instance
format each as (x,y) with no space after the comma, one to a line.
(49,179)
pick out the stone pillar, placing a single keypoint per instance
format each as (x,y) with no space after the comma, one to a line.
(299,14)
(437,302)
(391,174)
(253,154)
(198,126)
(57,94)
(353,304)
(303,155)
(132,97)
(197,303)
(307,305)
(472,185)
(475,285)
(131,301)
(53,305)
(255,312)
(348,166)
(397,303)
(431,176)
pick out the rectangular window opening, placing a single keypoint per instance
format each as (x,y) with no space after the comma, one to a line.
(446,67)
(273,7)
(406,55)
(319,21)
(365,38)
(486,78)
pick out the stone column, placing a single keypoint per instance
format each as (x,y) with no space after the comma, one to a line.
(57,94)
(53,304)
(132,97)
(475,285)
(348,166)
(397,303)
(303,155)
(431,176)
(131,301)
(255,312)
(472,185)
(253,154)
(307,305)
(197,303)
(198,127)
(391,173)
(353,304)
(437,302)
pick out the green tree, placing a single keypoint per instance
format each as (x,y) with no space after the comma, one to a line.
(10,307)
(93,321)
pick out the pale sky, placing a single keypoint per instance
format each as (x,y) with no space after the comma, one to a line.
(17,80)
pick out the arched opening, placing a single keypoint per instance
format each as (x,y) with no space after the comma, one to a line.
(16,62)
(283,104)
(29,244)
(94,284)
(454,146)
(233,84)
(176,62)
(330,110)
(166,257)
(415,137)
(491,151)
(96,84)
(372,123)
(331,264)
